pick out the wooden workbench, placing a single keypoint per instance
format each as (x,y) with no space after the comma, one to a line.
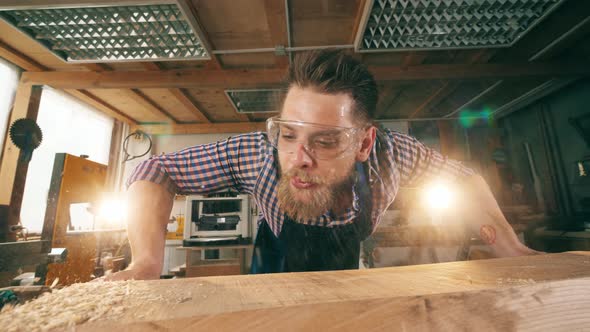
(545,293)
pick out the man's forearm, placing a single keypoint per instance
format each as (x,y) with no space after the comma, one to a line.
(485,218)
(149,210)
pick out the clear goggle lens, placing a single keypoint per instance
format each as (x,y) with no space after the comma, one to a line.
(321,141)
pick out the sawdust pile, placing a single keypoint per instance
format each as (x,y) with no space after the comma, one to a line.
(79,303)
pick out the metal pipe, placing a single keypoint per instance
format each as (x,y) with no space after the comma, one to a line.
(311,48)
(288,49)
(246,50)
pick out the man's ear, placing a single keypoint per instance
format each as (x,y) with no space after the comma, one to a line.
(366,144)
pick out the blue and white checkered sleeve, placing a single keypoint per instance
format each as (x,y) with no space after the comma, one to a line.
(420,164)
(231,163)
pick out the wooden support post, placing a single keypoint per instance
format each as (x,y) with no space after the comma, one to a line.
(115,163)
(13,171)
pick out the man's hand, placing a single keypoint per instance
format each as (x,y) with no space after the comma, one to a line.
(133,273)
(149,207)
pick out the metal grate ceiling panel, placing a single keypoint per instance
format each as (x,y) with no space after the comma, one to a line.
(256,100)
(398,25)
(120,33)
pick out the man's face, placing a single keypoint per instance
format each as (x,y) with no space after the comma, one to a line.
(310,184)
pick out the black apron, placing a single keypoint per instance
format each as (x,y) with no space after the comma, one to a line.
(300,248)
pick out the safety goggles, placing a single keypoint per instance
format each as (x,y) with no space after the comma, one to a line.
(320,141)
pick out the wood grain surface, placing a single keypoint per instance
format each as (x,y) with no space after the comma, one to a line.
(533,293)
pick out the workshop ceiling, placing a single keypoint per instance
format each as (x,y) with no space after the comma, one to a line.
(223,62)
(394,25)
(111,33)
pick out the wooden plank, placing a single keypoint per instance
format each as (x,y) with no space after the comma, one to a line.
(181,96)
(277,26)
(271,77)
(164,79)
(144,101)
(327,22)
(447,88)
(101,105)
(501,294)
(114,166)
(29,64)
(19,59)
(414,58)
(202,128)
(136,95)
(26,105)
(358,19)
(13,170)
(552,306)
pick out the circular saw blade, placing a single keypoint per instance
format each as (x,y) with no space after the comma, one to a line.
(26,134)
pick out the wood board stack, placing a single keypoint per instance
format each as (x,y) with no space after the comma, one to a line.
(545,292)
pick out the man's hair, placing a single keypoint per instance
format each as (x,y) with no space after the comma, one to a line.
(334,72)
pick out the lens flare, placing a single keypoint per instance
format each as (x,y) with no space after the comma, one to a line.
(468,118)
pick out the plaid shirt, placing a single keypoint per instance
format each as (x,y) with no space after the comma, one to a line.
(247,163)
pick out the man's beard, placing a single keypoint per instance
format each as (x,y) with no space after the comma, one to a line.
(308,204)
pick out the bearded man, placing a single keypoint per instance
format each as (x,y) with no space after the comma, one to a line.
(322,176)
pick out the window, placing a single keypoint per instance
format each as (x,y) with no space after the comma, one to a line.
(68,126)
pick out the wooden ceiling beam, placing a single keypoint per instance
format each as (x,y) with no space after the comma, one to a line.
(414,58)
(98,67)
(135,95)
(358,20)
(29,64)
(275,18)
(19,59)
(202,128)
(561,31)
(242,78)
(479,71)
(101,105)
(159,79)
(186,101)
(449,87)
(181,96)
(565,30)
(146,102)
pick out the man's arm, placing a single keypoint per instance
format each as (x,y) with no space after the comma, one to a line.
(149,205)
(484,217)
(421,165)
(201,169)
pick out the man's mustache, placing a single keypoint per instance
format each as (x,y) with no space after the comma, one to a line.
(304,176)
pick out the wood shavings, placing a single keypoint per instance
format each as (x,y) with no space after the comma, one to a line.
(79,303)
